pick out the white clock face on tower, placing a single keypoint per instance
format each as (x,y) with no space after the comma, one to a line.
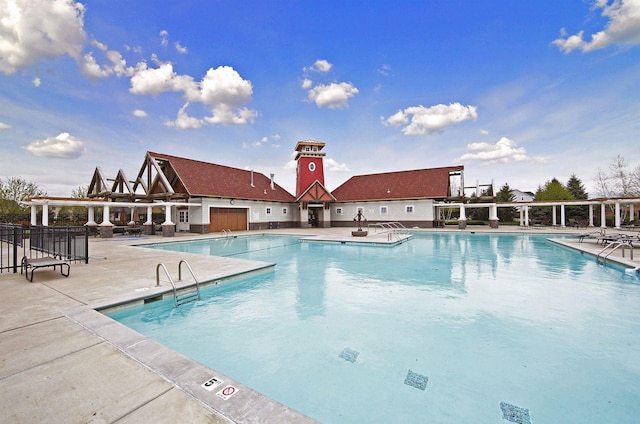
(312,166)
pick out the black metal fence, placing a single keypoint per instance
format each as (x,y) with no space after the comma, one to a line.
(16,242)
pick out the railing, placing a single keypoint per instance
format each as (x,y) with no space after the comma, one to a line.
(16,242)
(393,229)
(226,233)
(612,247)
(183,295)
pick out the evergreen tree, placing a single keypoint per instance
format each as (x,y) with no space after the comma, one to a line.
(505,195)
(575,186)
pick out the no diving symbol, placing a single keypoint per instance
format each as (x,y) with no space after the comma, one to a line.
(227,392)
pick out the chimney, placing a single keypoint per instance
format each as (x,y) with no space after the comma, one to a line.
(273,187)
(252,179)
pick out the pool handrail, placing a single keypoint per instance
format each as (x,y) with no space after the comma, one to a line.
(189,297)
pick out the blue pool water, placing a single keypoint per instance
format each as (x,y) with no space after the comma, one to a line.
(445,328)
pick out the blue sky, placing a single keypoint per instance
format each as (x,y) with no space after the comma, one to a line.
(517,92)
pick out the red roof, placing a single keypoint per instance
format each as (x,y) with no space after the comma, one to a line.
(211,180)
(430,183)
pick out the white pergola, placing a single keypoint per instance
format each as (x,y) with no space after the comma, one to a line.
(524,209)
(45,202)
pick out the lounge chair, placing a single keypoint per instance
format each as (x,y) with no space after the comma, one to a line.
(48,261)
(592,235)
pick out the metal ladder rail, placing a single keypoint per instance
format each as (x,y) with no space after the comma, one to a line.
(226,233)
(399,227)
(197,285)
(175,294)
(177,298)
(612,247)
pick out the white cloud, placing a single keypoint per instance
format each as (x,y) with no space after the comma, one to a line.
(63,146)
(4,126)
(36,82)
(180,48)
(139,113)
(260,142)
(306,83)
(154,81)
(484,132)
(264,140)
(420,120)
(384,70)
(224,86)
(184,120)
(223,89)
(334,95)
(321,65)
(623,27)
(223,114)
(164,38)
(90,68)
(39,29)
(504,151)
(334,166)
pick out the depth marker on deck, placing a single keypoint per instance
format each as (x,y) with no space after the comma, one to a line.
(211,384)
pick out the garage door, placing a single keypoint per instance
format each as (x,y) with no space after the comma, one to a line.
(234,219)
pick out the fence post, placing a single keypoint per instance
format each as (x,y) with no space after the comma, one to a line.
(86,244)
(15,250)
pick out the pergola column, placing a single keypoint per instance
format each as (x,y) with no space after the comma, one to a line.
(148,224)
(553,215)
(603,215)
(106,227)
(45,215)
(562,216)
(632,213)
(617,217)
(526,216)
(91,216)
(590,215)
(34,215)
(521,211)
(168,227)
(462,220)
(493,216)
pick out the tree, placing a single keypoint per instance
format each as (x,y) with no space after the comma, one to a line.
(618,182)
(575,186)
(13,191)
(553,190)
(74,214)
(505,195)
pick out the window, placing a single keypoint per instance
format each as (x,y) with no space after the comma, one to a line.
(267,211)
(183,216)
(383,210)
(284,211)
(312,166)
(408,209)
(338,211)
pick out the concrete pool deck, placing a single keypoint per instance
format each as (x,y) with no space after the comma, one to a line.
(61,361)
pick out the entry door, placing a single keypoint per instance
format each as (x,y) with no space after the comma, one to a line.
(234,219)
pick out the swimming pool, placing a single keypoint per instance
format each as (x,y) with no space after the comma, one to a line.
(443,328)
